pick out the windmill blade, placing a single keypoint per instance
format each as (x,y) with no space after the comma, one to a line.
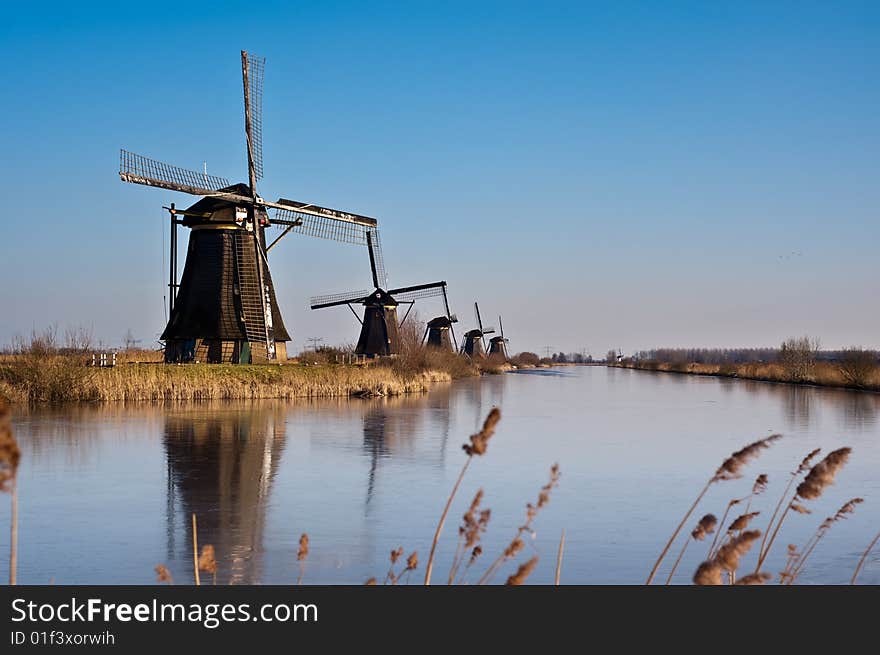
(430,290)
(501,325)
(138,169)
(332,300)
(479,320)
(489,330)
(252,68)
(296,207)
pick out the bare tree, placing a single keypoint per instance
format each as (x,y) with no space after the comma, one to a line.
(128,340)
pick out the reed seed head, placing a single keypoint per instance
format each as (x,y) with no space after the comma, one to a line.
(800,509)
(731,468)
(523,572)
(412,562)
(704,527)
(371,582)
(754,579)
(708,573)
(730,553)
(10,453)
(396,555)
(480,441)
(807,461)
(760,485)
(821,476)
(303,551)
(207,561)
(742,522)
(475,553)
(163,574)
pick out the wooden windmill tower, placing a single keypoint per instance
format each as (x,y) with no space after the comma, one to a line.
(474,343)
(438,331)
(380,331)
(498,345)
(224,309)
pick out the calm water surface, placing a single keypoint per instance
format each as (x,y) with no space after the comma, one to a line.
(107,492)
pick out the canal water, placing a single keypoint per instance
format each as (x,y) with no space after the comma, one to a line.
(107,492)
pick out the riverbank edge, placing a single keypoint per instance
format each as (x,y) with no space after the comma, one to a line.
(739,372)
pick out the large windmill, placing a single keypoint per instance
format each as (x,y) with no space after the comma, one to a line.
(474,343)
(224,309)
(380,331)
(498,345)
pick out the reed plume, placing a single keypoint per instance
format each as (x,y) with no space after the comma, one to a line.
(792,572)
(864,558)
(479,442)
(708,573)
(705,526)
(730,469)
(741,522)
(10,456)
(371,582)
(819,478)
(207,561)
(163,574)
(730,553)
(301,556)
(754,579)
(803,467)
(523,572)
(758,487)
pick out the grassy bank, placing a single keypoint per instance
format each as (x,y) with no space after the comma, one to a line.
(825,374)
(57,378)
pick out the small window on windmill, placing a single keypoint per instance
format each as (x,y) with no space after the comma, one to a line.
(240,215)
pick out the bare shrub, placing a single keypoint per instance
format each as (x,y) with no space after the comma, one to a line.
(857,366)
(798,358)
(525,359)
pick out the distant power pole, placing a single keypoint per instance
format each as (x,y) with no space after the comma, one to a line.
(548,350)
(315,341)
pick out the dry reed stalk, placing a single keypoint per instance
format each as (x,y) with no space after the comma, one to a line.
(523,572)
(163,574)
(195,550)
(559,557)
(395,555)
(820,477)
(803,467)
(301,555)
(718,533)
(207,561)
(474,523)
(759,487)
(730,469)
(827,524)
(517,544)
(864,558)
(478,445)
(705,526)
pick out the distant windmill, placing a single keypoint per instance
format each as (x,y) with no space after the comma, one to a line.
(224,309)
(438,331)
(380,330)
(474,344)
(498,345)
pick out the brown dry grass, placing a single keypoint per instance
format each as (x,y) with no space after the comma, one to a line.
(62,378)
(826,374)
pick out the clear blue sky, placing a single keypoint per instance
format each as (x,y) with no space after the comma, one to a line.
(603,174)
